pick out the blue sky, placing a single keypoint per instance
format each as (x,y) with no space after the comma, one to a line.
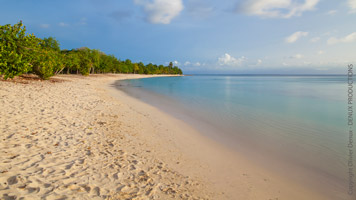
(202,36)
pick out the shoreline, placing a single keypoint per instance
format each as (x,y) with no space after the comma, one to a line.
(83,138)
(272,160)
(223,161)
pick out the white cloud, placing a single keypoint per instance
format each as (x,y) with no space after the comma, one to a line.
(320,52)
(44,25)
(63,24)
(277,8)
(176,63)
(347,39)
(227,59)
(295,36)
(331,12)
(315,39)
(352,5)
(196,64)
(259,61)
(297,56)
(161,11)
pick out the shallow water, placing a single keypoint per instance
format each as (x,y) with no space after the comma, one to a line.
(295,125)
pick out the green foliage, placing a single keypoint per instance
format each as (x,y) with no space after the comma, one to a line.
(71,61)
(85,63)
(136,68)
(59,62)
(50,43)
(14,45)
(21,53)
(44,63)
(94,56)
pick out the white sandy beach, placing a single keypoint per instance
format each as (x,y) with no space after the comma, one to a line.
(80,138)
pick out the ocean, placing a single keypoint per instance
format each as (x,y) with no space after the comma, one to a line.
(296,125)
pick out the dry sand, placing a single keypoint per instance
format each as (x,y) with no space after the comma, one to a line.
(80,138)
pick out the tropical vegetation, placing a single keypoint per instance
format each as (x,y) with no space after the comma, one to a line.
(22,53)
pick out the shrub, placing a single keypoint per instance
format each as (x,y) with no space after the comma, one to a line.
(44,63)
(14,45)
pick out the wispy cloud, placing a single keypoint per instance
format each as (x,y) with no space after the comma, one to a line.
(199,8)
(352,5)
(320,52)
(295,36)
(63,24)
(347,39)
(276,8)
(315,39)
(331,12)
(297,56)
(196,64)
(176,63)
(161,11)
(228,60)
(83,21)
(45,25)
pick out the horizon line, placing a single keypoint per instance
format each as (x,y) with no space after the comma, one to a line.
(191,74)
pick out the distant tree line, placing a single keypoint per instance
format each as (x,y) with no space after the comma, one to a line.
(25,53)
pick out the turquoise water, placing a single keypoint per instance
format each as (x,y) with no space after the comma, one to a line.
(301,121)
